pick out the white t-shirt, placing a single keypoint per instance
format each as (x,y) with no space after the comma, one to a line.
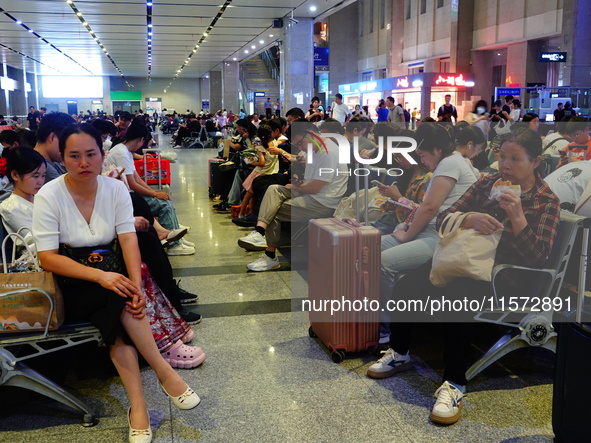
(340,112)
(56,218)
(556,142)
(457,167)
(17,212)
(395,116)
(569,182)
(120,156)
(324,167)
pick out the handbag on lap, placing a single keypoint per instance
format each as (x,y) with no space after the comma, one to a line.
(463,252)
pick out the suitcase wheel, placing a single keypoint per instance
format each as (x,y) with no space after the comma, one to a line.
(337,356)
(311,332)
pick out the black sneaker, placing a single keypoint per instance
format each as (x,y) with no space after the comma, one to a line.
(246,222)
(192,318)
(185,297)
(220,205)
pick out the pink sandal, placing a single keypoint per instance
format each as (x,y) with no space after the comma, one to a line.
(183,356)
(189,336)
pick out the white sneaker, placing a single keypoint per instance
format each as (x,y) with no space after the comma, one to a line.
(180,249)
(188,228)
(264,263)
(253,242)
(188,243)
(391,363)
(448,406)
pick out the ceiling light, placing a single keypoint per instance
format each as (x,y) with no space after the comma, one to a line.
(150,33)
(246,51)
(30,30)
(271,35)
(149,25)
(261,41)
(69,2)
(84,24)
(194,50)
(150,4)
(79,14)
(312,8)
(234,58)
(18,22)
(253,47)
(205,33)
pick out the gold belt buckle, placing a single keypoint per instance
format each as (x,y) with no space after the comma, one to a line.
(95,257)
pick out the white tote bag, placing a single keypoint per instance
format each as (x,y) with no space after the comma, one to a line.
(463,252)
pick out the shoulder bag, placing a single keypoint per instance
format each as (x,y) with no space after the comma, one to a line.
(463,252)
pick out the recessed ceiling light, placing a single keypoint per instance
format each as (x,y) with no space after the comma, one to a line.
(271,35)
(312,8)
(18,22)
(79,14)
(261,41)
(234,58)
(246,51)
(253,47)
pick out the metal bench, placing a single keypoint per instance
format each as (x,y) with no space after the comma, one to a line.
(14,370)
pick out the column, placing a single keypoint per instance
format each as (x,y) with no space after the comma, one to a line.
(343,34)
(4,97)
(296,63)
(231,86)
(576,41)
(205,94)
(215,91)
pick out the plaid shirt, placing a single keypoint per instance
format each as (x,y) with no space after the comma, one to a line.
(541,208)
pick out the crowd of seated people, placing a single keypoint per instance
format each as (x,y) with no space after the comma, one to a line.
(456,168)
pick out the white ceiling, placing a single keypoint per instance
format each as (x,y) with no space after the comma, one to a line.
(121,26)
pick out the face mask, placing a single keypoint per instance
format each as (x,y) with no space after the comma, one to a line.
(481,110)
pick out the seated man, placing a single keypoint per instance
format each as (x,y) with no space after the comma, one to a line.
(316,196)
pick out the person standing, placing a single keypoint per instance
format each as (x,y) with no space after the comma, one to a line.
(339,110)
(447,110)
(559,113)
(33,118)
(268,107)
(278,108)
(395,114)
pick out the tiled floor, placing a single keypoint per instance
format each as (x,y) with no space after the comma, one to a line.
(265,379)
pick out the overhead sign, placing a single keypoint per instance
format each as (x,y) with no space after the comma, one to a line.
(205,104)
(552,57)
(259,94)
(508,91)
(154,99)
(320,56)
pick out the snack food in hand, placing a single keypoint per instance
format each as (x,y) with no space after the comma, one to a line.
(504,185)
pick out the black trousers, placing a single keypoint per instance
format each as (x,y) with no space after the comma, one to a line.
(260,185)
(456,334)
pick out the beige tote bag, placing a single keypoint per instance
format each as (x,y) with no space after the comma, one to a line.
(463,252)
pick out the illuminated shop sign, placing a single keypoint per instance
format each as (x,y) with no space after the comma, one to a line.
(402,82)
(552,57)
(451,80)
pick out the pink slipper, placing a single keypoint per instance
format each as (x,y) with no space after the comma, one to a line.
(189,336)
(183,356)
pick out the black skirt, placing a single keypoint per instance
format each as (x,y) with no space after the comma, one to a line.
(89,301)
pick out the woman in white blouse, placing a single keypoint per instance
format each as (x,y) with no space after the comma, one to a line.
(84,209)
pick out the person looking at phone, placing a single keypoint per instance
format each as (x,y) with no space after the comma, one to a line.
(404,250)
(315,195)
(577,129)
(479,117)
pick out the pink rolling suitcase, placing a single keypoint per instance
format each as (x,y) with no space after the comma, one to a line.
(344,271)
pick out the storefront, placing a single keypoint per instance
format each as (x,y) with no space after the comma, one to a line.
(421,91)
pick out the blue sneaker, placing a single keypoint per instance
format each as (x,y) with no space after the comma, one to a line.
(391,363)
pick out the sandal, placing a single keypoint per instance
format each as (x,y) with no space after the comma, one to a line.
(189,336)
(183,356)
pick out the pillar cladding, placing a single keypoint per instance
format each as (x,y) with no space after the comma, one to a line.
(231,86)
(343,48)
(576,41)
(215,91)
(297,63)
